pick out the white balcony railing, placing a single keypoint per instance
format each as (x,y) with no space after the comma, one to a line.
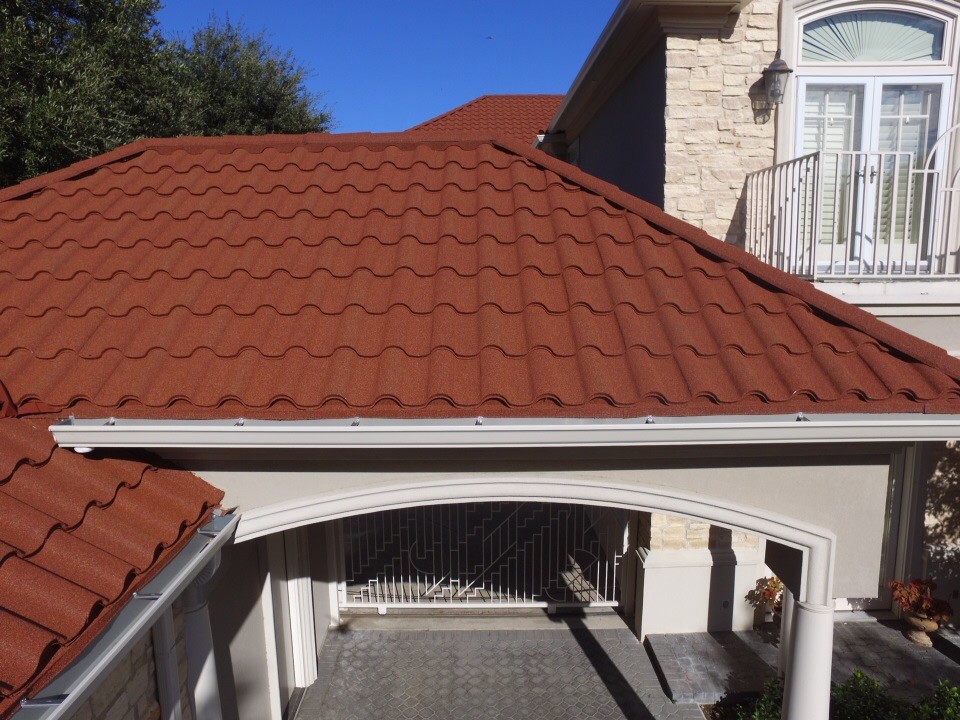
(856,215)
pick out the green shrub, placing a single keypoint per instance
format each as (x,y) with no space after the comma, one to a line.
(766,707)
(944,705)
(862,698)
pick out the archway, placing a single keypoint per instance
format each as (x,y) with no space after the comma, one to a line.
(808,625)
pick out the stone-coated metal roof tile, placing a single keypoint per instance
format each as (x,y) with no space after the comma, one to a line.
(409,275)
(519,117)
(78,535)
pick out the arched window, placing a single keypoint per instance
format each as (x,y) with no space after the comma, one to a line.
(873,36)
(874,90)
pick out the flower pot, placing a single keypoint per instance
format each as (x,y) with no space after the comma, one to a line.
(919,629)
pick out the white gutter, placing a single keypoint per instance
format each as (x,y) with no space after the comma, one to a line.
(84,435)
(62,697)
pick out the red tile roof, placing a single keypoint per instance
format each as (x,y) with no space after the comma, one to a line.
(403,276)
(77,537)
(517,117)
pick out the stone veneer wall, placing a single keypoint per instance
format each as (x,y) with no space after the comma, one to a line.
(668,532)
(713,137)
(130,691)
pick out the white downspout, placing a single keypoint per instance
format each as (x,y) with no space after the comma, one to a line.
(203,689)
(165,661)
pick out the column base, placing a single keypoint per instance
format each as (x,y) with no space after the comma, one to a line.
(807,688)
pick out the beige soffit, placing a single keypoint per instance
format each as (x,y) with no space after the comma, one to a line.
(633,29)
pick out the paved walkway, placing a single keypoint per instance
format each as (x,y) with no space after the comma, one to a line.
(501,668)
(703,667)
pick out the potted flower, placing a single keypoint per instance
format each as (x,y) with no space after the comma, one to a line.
(922,612)
(767,595)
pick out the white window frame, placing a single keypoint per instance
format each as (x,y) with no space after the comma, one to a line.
(797,13)
(871,98)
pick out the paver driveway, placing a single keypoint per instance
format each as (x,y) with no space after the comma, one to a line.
(572,670)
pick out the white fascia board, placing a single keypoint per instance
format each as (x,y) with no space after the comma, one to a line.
(497,432)
(622,9)
(64,695)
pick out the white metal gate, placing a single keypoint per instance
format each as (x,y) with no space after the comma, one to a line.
(503,554)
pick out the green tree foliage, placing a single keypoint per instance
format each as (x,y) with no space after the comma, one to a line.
(80,77)
(241,85)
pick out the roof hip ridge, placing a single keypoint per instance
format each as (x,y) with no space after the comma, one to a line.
(81,167)
(850,314)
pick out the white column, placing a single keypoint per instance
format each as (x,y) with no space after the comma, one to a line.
(303,634)
(786,625)
(807,687)
(203,688)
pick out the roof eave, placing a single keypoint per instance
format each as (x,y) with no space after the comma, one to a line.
(377,433)
(632,30)
(64,695)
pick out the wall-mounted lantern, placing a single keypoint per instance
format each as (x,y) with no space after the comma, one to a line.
(775,78)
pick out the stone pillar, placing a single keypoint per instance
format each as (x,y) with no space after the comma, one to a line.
(202,686)
(692,577)
(714,137)
(807,687)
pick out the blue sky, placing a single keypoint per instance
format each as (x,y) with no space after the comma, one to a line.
(388,65)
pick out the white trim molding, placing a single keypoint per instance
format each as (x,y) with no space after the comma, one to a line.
(275,708)
(815,543)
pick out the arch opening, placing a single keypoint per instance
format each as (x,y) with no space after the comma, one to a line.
(811,546)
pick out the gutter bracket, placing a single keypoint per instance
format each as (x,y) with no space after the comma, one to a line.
(217,524)
(45,701)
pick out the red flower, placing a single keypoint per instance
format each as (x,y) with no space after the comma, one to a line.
(917,597)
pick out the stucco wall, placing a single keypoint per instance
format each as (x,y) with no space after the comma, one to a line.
(129,692)
(714,138)
(843,492)
(937,329)
(624,142)
(236,618)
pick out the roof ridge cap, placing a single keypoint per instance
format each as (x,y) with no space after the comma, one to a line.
(469,103)
(899,340)
(520,95)
(458,108)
